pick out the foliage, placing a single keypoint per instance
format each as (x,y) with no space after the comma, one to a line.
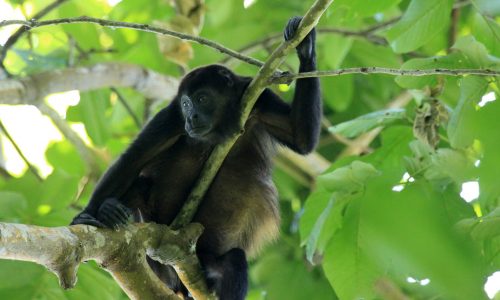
(365,223)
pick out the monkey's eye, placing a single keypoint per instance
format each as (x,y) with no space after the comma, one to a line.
(185,104)
(202,99)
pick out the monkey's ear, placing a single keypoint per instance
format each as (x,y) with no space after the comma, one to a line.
(227,76)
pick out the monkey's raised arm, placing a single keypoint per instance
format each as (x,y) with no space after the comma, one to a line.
(160,133)
(297,126)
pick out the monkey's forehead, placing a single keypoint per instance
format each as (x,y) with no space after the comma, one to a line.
(212,76)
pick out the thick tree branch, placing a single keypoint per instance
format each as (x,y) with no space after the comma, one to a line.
(122,253)
(249,98)
(32,89)
(141,27)
(287,78)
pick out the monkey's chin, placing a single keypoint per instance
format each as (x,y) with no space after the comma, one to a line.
(200,132)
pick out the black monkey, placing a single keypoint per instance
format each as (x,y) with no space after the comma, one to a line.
(154,176)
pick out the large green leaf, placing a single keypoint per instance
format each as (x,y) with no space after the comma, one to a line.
(282,276)
(411,232)
(346,262)
(461,133)
(420,23)
(369,121)
(487,31)
(92,111)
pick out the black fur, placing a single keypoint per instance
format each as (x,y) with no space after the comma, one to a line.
(153,177)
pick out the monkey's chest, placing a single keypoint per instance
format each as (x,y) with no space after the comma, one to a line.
(240,180)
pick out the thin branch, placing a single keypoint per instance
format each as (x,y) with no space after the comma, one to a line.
(287,78)
(15,37)
(452,33)
(123,101)
(258,84)
(140,27)
(85,152)
(4,173)
(31,167)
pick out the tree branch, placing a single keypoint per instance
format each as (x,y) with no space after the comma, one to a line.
(287,78)
(141,27)
(32,89)
(85,152)
(259,82)
(31,167)
(15,37)
(121,252)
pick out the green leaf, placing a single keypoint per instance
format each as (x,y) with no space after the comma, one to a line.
(488,7)
(281,276)
(363,7)
(346,262)
(369,121)
(411,234)
(486,227)
(62,155)
(12,206)
(487,31)
(338,91)
(423,20)
(92,112)
(349,179)
(461,133)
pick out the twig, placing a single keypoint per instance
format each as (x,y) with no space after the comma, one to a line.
(141,27)
(31,167)
(452,33)
(259,82)
(4,173)
(123,101)
(15,37)
(85,152)
(287,78)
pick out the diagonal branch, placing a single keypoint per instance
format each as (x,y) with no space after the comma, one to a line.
(140,27)
(258,84)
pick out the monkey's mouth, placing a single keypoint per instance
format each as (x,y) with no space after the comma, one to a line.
(199,131)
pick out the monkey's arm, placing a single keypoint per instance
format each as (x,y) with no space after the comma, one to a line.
(297,126)
(160,133)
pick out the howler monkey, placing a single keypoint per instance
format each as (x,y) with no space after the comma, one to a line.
(153,177)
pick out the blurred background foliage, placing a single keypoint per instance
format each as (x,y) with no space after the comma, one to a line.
(408,204)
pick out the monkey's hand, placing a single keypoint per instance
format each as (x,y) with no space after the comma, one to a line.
(87,219)
(306,48)
(113,214)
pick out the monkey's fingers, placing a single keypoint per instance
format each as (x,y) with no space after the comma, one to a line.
(87,219)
